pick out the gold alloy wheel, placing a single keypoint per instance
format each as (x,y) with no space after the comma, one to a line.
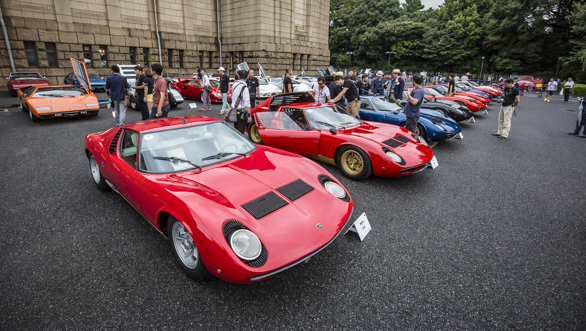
(255,135)
(352,162)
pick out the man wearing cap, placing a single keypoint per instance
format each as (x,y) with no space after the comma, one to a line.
(224,88)
(379,83)
(398,85)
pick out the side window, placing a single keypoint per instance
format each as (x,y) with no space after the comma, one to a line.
(129,146)
(298,117)
(366,105)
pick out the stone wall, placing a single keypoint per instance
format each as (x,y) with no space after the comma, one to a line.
(275,33)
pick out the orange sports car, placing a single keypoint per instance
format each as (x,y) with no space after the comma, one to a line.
(45,102)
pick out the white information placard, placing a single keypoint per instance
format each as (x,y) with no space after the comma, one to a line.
(192,105)
(434,163)
(361,226)
(459,135)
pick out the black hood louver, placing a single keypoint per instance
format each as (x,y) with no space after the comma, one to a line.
(264,205)
(295,190)
(114,143)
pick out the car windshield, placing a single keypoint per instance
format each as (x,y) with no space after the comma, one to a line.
(92,75)
(276,80)
(214,83)
(191,147)
(21,75)
(262,82)
(433,92)
(325,117)
(382,105)
(59,92)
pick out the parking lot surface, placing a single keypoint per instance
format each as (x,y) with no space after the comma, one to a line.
(494,238)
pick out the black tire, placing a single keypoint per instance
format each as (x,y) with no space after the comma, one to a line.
(33,117)
(254,135)
(134,106)
(420,130)
(354,163)
(99,180)
(189,260)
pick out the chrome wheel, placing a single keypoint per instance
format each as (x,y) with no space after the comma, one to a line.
(184,246)
(95,168)
(352,162)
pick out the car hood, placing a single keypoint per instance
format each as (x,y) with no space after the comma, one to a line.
(377,132)
(97,81)
(65,103)
(28,82)
(269,88)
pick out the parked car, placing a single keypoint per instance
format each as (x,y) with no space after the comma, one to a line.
(433,126)
(523,84)
(18,80)
(471,104)
(449,108)
(180,175)
(531,79)
(295,122)
(192,88)
(98,83)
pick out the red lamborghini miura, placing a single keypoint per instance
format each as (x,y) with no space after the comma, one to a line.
(191,88)
(296,123)
(229,208)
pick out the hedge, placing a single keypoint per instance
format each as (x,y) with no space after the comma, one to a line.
(578,91)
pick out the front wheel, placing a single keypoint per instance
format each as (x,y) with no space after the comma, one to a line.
(33,117)
(254,134)
(354,163)
(99,180)
(186,251)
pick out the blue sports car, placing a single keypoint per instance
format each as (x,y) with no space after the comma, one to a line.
(97,82)
(433,125)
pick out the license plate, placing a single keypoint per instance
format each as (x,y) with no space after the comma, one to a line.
(434,163)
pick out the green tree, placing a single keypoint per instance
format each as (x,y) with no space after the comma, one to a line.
(411,6)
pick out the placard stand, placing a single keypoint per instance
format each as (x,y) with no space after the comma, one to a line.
(472,120)
(485,112)
(361,226)
(193,105)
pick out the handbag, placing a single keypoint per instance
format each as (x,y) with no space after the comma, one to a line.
(127,100)
(232,113)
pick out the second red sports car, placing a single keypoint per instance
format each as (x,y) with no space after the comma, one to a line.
(192,88)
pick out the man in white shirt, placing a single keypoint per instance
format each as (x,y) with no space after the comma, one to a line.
(552,86)
(321,93)
(243,105)
(205,94)
(568,89)
(465,78)
(456,79)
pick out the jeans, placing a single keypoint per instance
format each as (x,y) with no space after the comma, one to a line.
(164,109)
(225,104)
(581,122)
(120,110)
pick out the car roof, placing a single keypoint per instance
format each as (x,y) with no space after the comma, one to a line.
(25,72)
(170,123)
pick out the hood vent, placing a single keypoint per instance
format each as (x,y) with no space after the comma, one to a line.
(264,205)
(392,143)
(114,142)
(295,190)
(402,139)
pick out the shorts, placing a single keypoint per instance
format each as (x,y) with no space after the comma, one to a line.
(149,98)
(550,92)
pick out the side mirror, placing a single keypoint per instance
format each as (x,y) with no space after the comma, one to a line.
(44,77)
(333,130)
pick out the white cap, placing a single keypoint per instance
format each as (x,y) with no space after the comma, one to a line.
(221,69)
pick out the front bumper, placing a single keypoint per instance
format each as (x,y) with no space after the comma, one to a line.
(69,113)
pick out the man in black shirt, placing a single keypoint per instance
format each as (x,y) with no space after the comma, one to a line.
(139,93)
(253,90)
(224,88)
(363,86)
(511,100)
(349,91)
(287,82)
(451,85)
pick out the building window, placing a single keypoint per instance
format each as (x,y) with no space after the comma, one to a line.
(180,59)
(103,50)
(211,58)
(170,56)
(51,55)
(201,60)
(87,54)
(145,54)
(31,53)
(133,55)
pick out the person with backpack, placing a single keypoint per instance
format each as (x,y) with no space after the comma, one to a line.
(117,85)
(241,101)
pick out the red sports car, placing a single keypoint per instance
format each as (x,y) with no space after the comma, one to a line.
(523,84)
(17,80)
(432,90)
(323,132)
(229,208)
(192,88)
(472,104)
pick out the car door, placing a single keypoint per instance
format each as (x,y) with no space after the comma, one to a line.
(287,129)
(194,89)
(183,88)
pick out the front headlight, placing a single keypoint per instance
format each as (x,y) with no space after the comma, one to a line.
(92,104)
(423,141)
(335,189)
(245,244)
(394,157)
(44,108)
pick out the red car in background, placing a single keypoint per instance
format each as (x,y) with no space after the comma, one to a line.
(523,84)
(190,87)
(472,104)
(432,90)
(531,79)
(17,80)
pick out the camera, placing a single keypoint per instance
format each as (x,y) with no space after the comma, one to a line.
(244,115)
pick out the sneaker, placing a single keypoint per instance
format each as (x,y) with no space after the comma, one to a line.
(221,113)
(545,99)
(581,135)
(573,133)
(495,134)
(548,101)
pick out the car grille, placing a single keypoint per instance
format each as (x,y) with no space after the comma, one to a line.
(264,205)
(295,190)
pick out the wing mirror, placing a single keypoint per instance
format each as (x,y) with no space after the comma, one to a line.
(333,130)
(44,77)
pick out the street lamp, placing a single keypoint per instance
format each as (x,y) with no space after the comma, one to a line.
(350,53)
(481,66)
(389,52)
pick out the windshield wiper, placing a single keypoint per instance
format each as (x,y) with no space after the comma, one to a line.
(174,159)
(342,124)
(221,155)
(324,123)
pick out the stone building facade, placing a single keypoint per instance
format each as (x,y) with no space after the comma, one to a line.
(44,34)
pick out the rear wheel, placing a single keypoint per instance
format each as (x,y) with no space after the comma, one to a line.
(186,251)
(354,163)
(22,107)
(254,134)
(99,180)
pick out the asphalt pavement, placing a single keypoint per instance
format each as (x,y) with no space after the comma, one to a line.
(494,238)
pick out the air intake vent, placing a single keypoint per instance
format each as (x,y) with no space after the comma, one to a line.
(264,205)
(260,261)
(392,143)
(114,142)
(402,139)
(295,190)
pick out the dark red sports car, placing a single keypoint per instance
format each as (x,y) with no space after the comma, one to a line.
(296,123)
(229,208)
(17,80)
(191,88)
